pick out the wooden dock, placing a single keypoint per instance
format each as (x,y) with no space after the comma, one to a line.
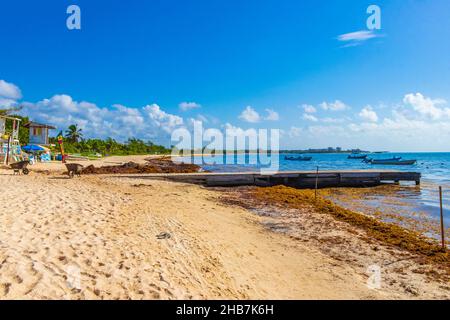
(297,179)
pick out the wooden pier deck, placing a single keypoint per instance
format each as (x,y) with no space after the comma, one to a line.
(297,179)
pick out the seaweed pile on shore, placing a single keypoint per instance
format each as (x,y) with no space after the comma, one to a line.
(156,165)
(387,233)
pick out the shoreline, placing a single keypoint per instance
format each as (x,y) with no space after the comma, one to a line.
(107,228)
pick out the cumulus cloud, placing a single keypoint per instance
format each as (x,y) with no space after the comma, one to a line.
(185,106)
(118,121)
(368,114)
(309,108)
(250,115)
(333,120)
(426,106)
(416,113)
(397,124)
(334,106)
(164,120)
(9,91)
(234,130)
(241,135)
(310,117)
(202,118)
(295,132)
(328,130)
(272,115)
(9,94)
(7,103)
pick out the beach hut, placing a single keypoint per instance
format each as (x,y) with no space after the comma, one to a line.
(38,133)
(9,140)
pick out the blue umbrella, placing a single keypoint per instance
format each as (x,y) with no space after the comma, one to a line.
(32,147)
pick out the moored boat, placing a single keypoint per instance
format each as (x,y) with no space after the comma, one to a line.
(300,158)
(357,156)
(394,162)
(382,161)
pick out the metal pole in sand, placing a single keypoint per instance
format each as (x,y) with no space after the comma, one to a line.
(8,150)
(442,219)
(317,183)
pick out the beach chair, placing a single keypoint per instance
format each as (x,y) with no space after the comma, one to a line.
(45,157)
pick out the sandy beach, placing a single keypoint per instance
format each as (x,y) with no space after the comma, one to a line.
(105,237)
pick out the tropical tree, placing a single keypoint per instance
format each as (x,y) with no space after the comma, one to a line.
(73,133)
(23,132)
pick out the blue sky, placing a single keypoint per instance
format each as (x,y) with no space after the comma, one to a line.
(146,67)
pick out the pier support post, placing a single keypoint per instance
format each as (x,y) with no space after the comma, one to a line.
(317,183)
(442,219)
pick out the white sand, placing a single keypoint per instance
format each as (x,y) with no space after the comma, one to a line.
(94,237)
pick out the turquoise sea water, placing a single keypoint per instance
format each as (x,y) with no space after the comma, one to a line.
(434,167)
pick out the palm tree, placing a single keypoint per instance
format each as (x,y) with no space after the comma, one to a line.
(111,145)
(73,133)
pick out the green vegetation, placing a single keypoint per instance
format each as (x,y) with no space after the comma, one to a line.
(109,147)
(75,144)
(73,133)
(23,132)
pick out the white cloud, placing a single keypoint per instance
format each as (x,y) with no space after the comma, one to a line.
(9,91)
(231,130)
(164,120)
(191,122)
(309,108)
(185,106)
(295,132)
(434,135)
(321,131)
(272,115)
(368,114)
(7,103)
(202,118)
(250,115)
(310,117)
(397,125)
(426,106)
(417,113)
(334,106)
(118,121)
(362,35)
(333,120)
(356,38)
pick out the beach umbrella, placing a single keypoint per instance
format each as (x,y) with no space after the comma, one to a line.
(45,148)
(32,148)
